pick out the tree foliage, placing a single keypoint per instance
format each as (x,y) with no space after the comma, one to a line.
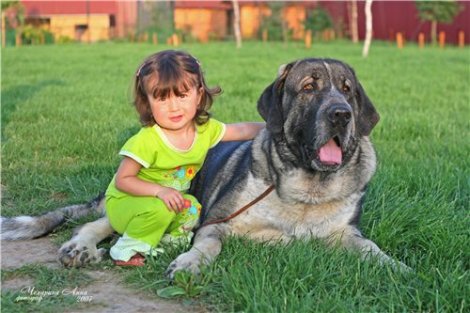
(8,4)
(156,17)
(275,24)
(14,13)
(438,11)
(163,18)
(318,20)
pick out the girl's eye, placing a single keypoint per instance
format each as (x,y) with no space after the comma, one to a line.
(308,87)
(183,95)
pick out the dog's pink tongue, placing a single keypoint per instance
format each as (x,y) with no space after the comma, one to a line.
(330,153)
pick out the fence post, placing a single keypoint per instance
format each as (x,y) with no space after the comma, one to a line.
(399,40)
(175,40)
(461,39)
(265,35)
(18,38)
(155,39)
(421,40)
(442,39)
(308,39)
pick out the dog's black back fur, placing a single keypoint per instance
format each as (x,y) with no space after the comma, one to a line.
(209,178)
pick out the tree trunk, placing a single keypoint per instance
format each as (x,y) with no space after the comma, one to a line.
(236,23)
(285,36)
(353,21)
(368,12)
(4,33)
(434,32)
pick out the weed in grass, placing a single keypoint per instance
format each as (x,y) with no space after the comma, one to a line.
(152,277)
(184,284)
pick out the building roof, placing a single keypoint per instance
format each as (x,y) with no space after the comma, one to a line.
(37,8)
(214,5)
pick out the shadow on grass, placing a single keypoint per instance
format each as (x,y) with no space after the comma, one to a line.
(16,95)
(125,134)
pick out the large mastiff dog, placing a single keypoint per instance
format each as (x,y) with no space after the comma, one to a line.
(315,152)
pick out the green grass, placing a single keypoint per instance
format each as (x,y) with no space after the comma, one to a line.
(66,111)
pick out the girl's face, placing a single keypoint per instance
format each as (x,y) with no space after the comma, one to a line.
(176,112)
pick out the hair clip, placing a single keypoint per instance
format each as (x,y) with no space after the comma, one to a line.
(140,69)
(197,61)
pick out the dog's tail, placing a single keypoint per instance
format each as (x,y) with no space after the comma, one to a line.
(29,227)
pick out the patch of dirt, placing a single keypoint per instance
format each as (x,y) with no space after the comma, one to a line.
(107,290)
(16,283)
(16,254)
(106,293)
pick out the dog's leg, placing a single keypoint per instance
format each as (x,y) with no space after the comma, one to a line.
(81,249)
(352,239)
(29,227)
(206,247)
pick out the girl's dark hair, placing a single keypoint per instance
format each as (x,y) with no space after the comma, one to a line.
(171,72)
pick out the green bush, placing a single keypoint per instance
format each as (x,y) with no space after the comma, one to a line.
(30,35)
(34,35)
(48,37)
(10,37)
(275,24)
(64,39)
(318,20)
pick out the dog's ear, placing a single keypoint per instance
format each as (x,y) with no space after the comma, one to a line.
(368,116)
(270,101)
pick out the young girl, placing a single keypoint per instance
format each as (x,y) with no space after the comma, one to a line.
(147,197)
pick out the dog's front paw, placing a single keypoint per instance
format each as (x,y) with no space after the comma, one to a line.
(189,261)
(77,253)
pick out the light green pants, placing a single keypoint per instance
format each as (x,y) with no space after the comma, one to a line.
(144,220)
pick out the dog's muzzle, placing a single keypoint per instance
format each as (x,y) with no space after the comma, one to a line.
(339,115)
(330,151)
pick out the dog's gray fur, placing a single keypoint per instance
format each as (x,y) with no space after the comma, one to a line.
(310,102)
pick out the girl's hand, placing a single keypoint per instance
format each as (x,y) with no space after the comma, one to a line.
(127,181)
(172,198)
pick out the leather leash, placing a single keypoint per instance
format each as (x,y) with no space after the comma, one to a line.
(243,209)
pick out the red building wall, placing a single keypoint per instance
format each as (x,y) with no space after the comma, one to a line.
(403,17)
(390,17)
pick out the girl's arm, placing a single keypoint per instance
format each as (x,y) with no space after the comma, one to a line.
(127,181)
(242,131)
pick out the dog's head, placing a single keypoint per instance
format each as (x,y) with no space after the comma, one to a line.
(320,109)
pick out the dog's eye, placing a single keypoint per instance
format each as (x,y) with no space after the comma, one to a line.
(308,87)
(346,88)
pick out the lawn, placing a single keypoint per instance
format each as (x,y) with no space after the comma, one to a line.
(66,111)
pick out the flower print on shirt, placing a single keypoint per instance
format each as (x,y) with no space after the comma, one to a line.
(190,172)
(180,177)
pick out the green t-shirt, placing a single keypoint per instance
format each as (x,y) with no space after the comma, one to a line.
(163,163)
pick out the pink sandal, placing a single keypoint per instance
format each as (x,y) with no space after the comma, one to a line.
(136,260)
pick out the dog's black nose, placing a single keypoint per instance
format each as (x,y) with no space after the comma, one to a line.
(339,114)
